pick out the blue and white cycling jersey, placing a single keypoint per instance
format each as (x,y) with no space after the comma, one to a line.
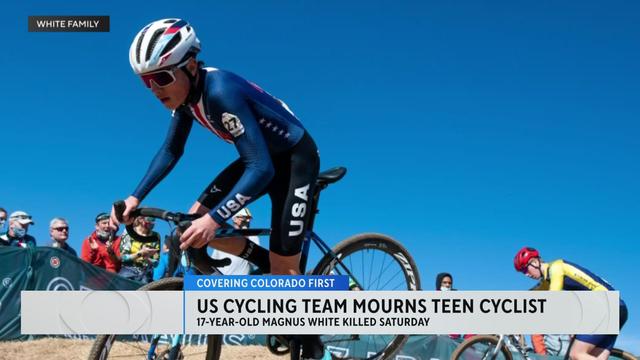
(241,113)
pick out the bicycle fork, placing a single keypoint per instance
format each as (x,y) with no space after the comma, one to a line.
(495,351)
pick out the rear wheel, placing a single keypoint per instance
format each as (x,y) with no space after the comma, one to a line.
(373,262)
(481,347)
(621,354)
(137,347)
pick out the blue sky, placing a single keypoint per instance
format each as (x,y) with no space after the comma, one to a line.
(470,129)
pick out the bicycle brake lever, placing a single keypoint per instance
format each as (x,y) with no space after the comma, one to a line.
(184,225)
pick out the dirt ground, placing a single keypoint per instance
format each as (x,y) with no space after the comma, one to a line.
(65,349)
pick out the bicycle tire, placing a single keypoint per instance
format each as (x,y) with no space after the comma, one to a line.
(103,343)
(458,353)
(364,243)
(621,354)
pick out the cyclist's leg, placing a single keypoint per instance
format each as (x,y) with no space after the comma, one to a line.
(210,197)
(291,193)
(597,346)
(591,347)
(585,350)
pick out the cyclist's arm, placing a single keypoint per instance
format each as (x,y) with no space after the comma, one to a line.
(168,155)
(556,275)
(253,151)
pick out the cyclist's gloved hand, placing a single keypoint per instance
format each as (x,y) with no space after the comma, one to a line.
(201,231)
(131,203)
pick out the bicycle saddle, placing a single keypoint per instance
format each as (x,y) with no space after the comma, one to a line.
(332,175)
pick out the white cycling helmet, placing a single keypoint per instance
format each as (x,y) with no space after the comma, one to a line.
(161,44)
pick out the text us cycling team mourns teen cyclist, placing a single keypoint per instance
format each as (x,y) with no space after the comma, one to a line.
(277,156)
(564,275)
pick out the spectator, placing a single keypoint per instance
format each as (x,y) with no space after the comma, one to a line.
(3,219)
(173,262)
(98,249)
(19,222)
(59,232)
(444,282)
(550,345)
(139,258)
(241,220)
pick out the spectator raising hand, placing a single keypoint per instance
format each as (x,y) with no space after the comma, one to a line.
(93,243)
(97,248)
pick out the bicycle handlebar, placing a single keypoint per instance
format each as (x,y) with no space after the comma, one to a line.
(199,257)
(183,221)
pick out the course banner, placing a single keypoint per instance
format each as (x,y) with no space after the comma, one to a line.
(320,312)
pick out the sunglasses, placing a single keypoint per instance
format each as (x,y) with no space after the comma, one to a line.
(162,78)
(62,228)
(525,269)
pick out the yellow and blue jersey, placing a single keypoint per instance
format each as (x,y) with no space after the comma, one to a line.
(565,275)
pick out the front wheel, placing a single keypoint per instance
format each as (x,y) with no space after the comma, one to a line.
(481,347)
(373,262)
(138,347)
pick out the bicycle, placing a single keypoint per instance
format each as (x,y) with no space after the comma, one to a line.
(490,347)
(497,347)
(351,257)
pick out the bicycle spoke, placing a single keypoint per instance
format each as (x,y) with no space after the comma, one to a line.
(399,271)
(371,267)
(385,271)
(362,263)
(382,268)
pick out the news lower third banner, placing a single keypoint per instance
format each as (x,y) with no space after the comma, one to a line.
(315,305)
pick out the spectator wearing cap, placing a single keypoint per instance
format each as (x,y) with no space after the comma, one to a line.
(19,222)
(98,249)
(239,266)
(3,219)
(59,232)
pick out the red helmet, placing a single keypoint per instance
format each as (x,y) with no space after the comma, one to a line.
(523,257)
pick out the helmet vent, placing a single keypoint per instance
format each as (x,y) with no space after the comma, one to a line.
(170,21)
(172,43)
(152,43)
(139,44)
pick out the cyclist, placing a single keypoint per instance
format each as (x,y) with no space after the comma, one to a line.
(277,156)
(565,275)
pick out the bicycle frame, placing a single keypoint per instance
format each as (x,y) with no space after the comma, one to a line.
(506,340)
(310,237)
